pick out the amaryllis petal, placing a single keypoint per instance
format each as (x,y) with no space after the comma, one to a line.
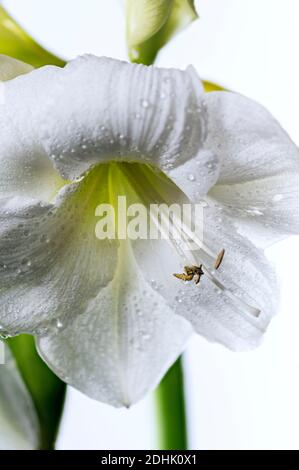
(122,345)
(259,173)
(118,111)
(237,300)
(25,168)
(233,304)
(196,176)
(51,263)
(236,296)
(265,209)
(250,143)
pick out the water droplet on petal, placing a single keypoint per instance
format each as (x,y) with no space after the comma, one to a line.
(3,333)
(277,197)
(254,212)
(145,104)
(154,284)
(59,324)
(191,177)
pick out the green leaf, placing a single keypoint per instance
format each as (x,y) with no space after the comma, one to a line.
(15,42)
(47,391)
(177,17)
(209,86)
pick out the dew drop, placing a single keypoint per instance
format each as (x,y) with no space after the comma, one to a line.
(191,177)
(59,324)
(277,197)
(4,334)
(145,104)
(255,212)
(154,284)
(135,53)
(44,239)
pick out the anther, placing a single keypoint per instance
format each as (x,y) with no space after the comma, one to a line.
(219,259)
(191,273)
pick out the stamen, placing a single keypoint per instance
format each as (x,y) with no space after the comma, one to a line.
(244,306)
(184,277)
(251,310)
(219,259)
(191,273)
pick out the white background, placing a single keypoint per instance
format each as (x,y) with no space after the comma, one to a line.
(236,401)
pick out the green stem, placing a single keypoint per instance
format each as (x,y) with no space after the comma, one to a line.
(171,409)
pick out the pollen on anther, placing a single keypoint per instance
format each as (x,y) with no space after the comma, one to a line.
(219,259)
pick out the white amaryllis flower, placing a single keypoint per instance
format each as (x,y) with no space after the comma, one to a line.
(110,317)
